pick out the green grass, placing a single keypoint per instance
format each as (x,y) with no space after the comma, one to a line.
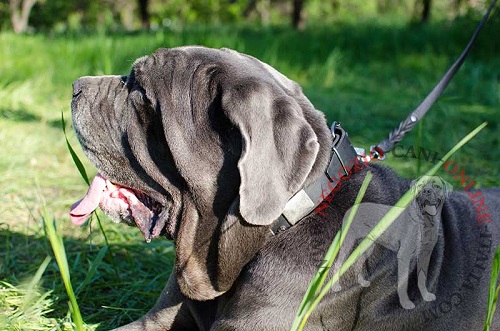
(314,292)
(367,75)
(59,251)
(494,290)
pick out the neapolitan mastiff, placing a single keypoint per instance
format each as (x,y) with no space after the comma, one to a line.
(208,147)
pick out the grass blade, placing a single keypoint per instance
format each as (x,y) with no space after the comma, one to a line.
(494,289)
(60,254)
(323,270)
(93,269)
(75,157)
(111,258)
(30,291)
(382,225)
(333,250)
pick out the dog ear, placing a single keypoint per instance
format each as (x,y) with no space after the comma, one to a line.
(447,187)
(278,152)
(244,139)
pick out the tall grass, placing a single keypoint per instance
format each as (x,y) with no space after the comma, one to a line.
(365,75)
(60,253)
(310,300)
(494,290)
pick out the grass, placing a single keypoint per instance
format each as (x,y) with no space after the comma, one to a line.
(494,290)
(59,251)
(367,75)
(316,287)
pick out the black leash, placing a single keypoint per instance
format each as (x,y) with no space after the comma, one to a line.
(379,151)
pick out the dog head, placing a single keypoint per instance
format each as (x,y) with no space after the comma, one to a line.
(205,146)
(431,193)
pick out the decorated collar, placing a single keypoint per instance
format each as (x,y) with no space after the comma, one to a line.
(344,161)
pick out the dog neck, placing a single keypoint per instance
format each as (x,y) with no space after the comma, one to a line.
(343,163)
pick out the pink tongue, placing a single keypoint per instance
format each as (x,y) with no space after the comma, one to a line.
(81,210)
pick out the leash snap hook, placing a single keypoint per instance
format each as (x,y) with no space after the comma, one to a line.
(376,153)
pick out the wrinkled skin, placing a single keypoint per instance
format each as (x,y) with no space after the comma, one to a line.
(206,147)
(180,129)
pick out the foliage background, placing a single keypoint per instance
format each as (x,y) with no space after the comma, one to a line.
(61,15)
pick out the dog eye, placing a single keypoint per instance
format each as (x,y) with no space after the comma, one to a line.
(124,79)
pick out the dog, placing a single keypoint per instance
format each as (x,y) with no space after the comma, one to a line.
(206,147)
(413,234)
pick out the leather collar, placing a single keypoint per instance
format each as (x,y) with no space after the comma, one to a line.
(343,163)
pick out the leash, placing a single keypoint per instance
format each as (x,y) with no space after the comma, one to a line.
(379,151)
(347,160)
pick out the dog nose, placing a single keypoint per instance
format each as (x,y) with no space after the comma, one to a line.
(77,87)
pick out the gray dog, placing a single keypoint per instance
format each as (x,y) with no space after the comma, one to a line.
(206,147)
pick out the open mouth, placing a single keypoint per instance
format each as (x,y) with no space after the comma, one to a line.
(431,208)
(121,204)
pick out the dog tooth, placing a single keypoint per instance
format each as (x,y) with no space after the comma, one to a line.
(111,186)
